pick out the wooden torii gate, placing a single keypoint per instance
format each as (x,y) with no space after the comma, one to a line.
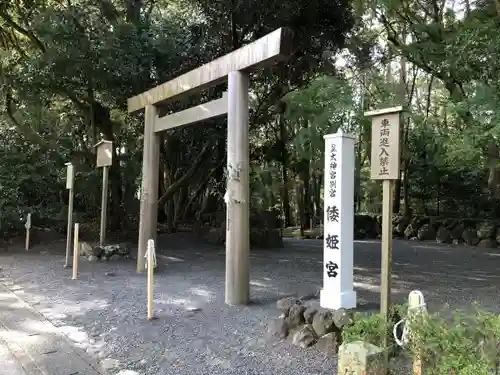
(233,68)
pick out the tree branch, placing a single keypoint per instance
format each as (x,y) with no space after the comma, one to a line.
(31,36)
(190,173)
(25,130)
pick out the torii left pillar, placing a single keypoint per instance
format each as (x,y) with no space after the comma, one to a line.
(149,186)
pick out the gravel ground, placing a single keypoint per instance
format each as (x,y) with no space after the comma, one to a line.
(105,315)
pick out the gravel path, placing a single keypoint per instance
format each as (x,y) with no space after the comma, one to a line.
(105,315)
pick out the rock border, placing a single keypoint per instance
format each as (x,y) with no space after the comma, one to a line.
(305,324)
(114,252)
(480,232)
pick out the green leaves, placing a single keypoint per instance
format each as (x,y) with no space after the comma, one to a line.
(321,108)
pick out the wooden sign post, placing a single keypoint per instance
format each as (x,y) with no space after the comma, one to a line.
(385,166)
(104,160)
(70,181)
(28,227)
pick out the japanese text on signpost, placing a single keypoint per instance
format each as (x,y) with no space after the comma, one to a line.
(332,211)
(385,157)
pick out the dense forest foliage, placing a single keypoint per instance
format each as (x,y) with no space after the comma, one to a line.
(68,66)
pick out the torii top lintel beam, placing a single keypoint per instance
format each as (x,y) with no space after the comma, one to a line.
(268,50)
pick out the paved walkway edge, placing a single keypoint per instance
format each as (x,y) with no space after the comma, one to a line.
(27,359)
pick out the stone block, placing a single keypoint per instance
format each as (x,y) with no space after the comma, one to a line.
(278,328)
(295,316)
(304,337)
(361,358)
(329,343)
(85,249)
(340,318)
(285,304)
(323,322)
(309,314)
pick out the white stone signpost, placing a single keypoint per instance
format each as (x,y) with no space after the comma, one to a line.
(233,68)
(338,224)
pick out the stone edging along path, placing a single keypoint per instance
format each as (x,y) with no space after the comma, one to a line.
(36,343)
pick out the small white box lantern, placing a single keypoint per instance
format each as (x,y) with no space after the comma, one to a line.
(104,153)
(70,176)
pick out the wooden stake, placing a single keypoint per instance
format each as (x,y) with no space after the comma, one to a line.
(70,227)
(75,252)
(416,305)
(150,259)
(104,204)
(385,290)
(385,287)
(28,227)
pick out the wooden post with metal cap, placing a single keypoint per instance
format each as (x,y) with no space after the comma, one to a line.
(104,160)
(70,182)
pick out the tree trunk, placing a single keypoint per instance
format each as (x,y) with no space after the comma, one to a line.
(359,149)
(305,175)
(287,212)
(402,99)
(180,202)
(318,211)
(170,215)
(299,194)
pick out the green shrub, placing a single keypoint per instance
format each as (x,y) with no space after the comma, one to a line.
(370,328)
(463,343)
(460,343)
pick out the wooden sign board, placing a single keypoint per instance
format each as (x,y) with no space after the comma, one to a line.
(386,149)
(70,176)
(104,153)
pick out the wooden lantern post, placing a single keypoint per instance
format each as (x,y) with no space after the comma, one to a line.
(104,160)
(70,181)
(385,166)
